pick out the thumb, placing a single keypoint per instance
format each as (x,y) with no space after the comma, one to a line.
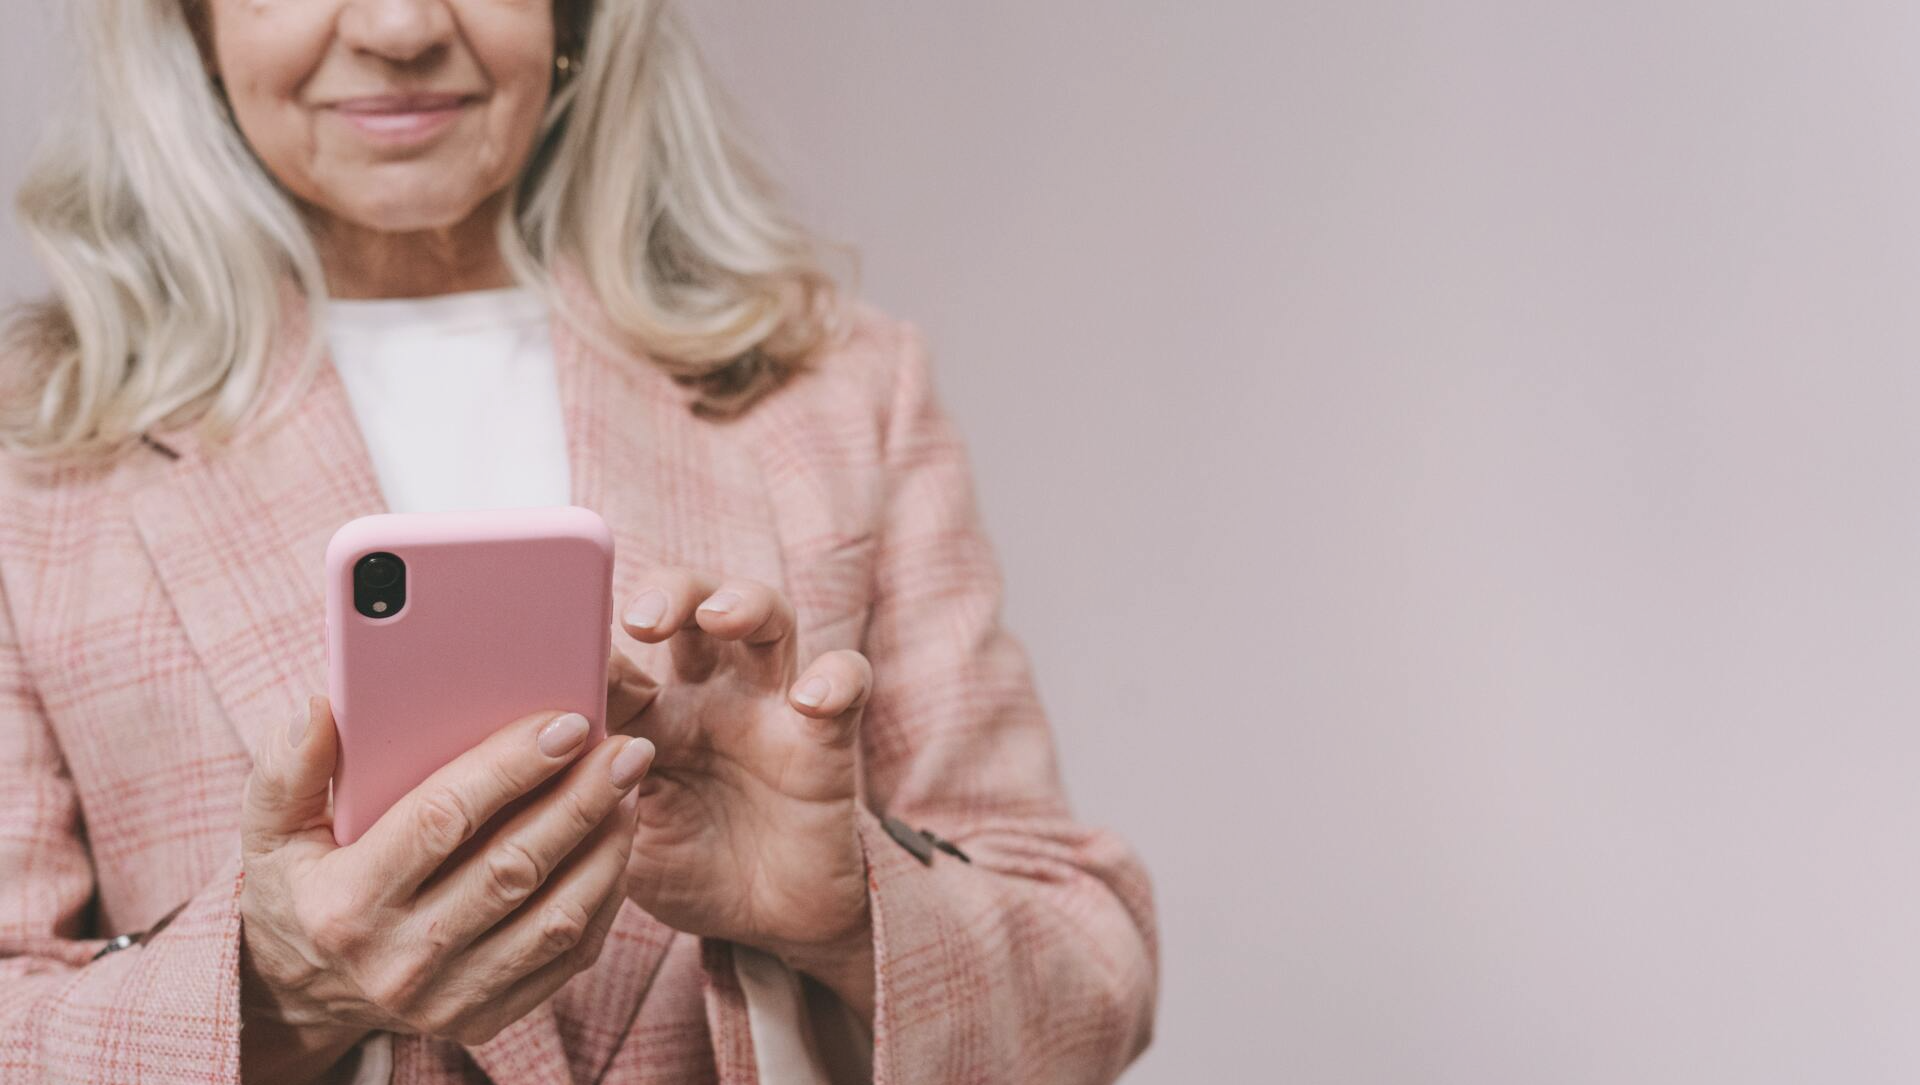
(287,793)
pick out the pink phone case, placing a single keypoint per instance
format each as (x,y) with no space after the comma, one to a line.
(506,613)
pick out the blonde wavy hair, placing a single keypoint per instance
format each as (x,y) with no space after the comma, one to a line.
(169,245)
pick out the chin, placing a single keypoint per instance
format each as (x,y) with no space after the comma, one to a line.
(408,218)
(400,208)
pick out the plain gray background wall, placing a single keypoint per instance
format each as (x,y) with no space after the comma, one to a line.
(1455,470)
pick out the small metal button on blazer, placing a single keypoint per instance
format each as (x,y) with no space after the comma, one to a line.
(128,941)
(921,842)
(118,943)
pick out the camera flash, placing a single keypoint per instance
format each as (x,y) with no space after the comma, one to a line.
(380,606)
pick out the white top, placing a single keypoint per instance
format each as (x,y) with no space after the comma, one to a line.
(456,398)
(459,406)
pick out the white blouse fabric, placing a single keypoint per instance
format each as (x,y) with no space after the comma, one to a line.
(456,398)
(459,407)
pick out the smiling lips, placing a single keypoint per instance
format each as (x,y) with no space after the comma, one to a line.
(400,119)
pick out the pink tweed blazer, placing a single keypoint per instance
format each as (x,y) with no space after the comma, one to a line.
(159,615)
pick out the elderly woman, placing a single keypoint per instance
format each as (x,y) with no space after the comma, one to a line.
(320,258)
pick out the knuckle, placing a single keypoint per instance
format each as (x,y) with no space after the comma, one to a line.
(562,926)
(512,873)
(581,815)
(442,820)
(398,987)
(333,936)
(501,777)
(332,925)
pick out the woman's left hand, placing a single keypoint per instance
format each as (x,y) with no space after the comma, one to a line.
(746,826)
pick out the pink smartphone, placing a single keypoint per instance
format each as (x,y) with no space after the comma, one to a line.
(444,627)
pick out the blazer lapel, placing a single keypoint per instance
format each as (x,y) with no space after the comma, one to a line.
(238,537)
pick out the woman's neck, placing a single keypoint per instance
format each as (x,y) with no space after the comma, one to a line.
(366,263)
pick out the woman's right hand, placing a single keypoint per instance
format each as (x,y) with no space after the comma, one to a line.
(435,921)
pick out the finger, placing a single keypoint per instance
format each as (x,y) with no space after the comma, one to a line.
(833,693)
(748,611)
(559,918)
(665,601)
(515,861)
(418,833)
(760,618)
(630,689)
(531,990)
(292,769)
(662,610)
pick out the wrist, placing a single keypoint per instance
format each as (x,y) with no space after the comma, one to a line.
(275,1048)
(844,966)
(271,1050)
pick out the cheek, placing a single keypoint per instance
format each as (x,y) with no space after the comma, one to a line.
(520,71)
(265,54)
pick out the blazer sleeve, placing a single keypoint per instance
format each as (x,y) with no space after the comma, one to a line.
(163,1011)
(1038,960)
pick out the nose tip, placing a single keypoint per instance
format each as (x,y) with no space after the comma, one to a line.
(396,30)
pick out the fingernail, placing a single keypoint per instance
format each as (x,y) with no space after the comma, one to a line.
(813,692)
(297,729)
(647,609)
(722,603)
(563,735)
(631,763)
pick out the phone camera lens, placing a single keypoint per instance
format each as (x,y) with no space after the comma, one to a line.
(380,585)
(379,571)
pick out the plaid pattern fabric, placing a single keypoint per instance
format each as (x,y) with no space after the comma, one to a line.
(159,615)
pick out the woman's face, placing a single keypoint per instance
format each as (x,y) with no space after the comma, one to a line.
(392,115)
